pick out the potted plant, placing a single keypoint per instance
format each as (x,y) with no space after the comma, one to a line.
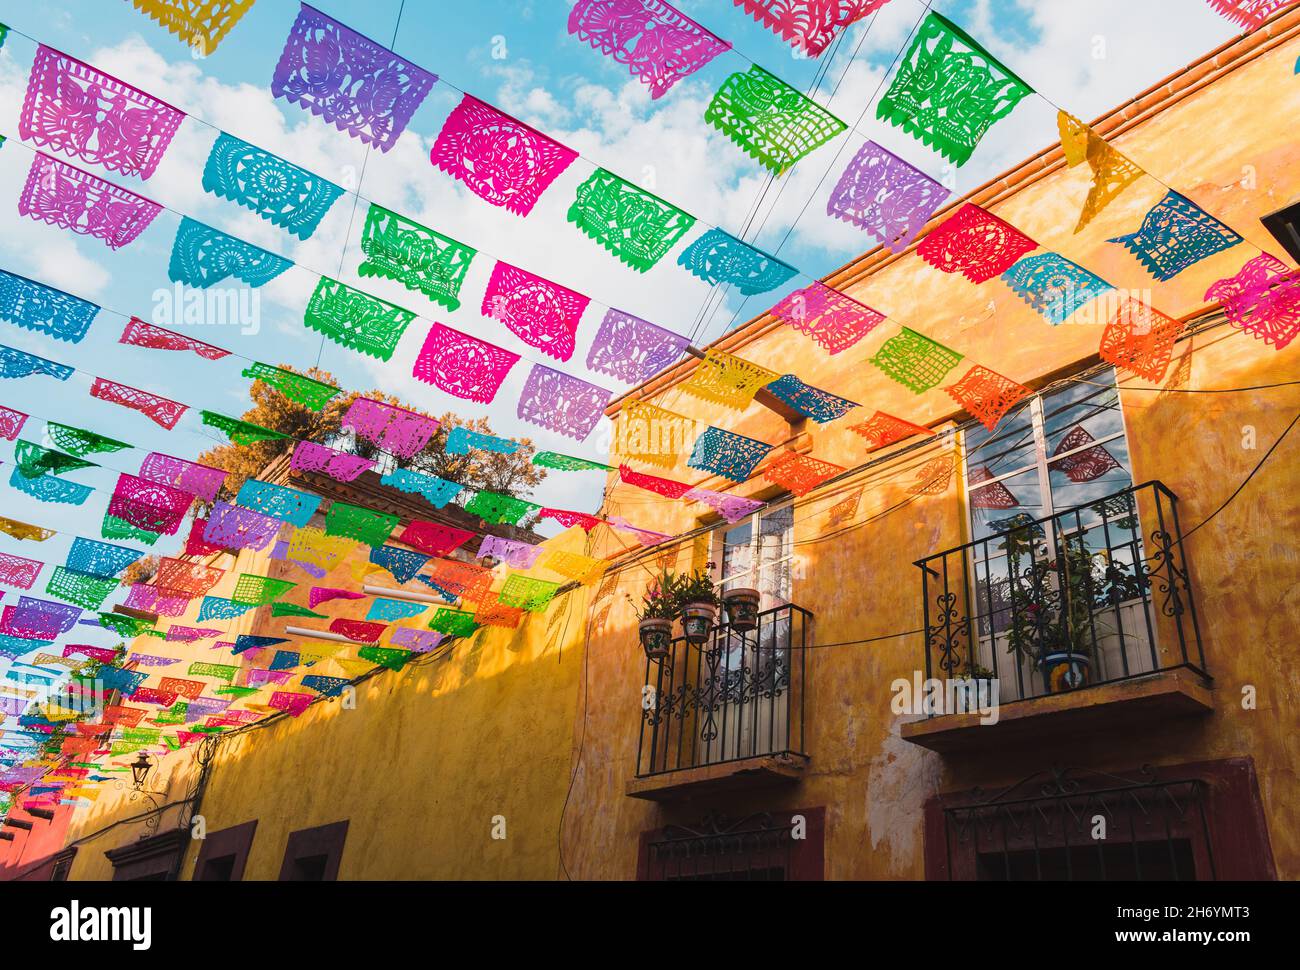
(981,690)
(742,607)
(655,616)
(697,602)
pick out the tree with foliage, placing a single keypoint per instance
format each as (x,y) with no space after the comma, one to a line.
(513,474)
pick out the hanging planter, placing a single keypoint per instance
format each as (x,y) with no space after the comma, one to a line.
(698,620)
(742,608)
(656,637)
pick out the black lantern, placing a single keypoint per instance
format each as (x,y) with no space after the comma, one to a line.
(140,770)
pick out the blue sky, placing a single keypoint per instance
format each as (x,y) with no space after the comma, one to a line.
(549,79)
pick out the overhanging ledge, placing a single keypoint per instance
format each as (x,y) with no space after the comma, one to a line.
(762,772)
(1107,707)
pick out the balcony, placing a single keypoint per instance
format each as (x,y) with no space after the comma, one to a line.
(1075,620)
(727,715)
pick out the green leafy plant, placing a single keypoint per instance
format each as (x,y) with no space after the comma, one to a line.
(660,601)
(697,587)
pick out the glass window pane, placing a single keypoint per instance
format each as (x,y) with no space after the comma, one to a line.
(1089,476)
(1082,413)
(737,552)
(998,506)
(1007,448)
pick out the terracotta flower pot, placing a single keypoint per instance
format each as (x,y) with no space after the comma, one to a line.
(742,608)
(698,621)
(656,637)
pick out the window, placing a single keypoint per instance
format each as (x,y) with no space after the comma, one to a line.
(1056,553)
(222,855)
(758,552)
(759,848)
(154,859)
(313,855)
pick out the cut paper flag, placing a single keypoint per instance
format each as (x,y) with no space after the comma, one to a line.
(356,320)
(498,614)
(934,477)
(323,594)
(92,116)
(203,257)
(727,454)
(503,161)
(949,91)
(424,261)
(991,496)
(461,440)
(149,506)
(435,539)
(436,491)
(883,429)
(201,481)
(100,558)
(1175,235)
(719,257)
(569,519)
(464,580)
(656,42)
(727,380)
(348,80)
(80,589)
(160,410)
(572,565)
(360,631)
(402,564)
(496,508)
(461,365)
(201,24)
(987,395)
(567,463)
(23,530)
(360,524)
(560,403)
(652,483)
(517,555)
(18,363)
(282,194)
(11,424)
(832,319)
(277,501)
(800,473)
(49,488)
(526,593)
(542,314)
(645,536)
(390,611)
(325,686)
(453,623)
(1112,173)
(975,243)
(65,196)
(230,527)
(886,196)
(652,434)
(1053,286)
(251,590)
(301,389)
(338,465)
(137,333)
(769,120)
(187,578)
(821,406)
(240,432)
(43,309)
(631,349)
(33,460)
(19,572)
(78,441)
(1263,299)
(809,25)
(1250,14)
(316,552)
(393,429)
(1140,339)
(915,361)
(636,226)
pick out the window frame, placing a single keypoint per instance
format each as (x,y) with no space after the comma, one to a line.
(751,575)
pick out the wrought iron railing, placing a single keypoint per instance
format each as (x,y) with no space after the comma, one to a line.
(1082,826)
(1091,595)
(758,848)
(740,695)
